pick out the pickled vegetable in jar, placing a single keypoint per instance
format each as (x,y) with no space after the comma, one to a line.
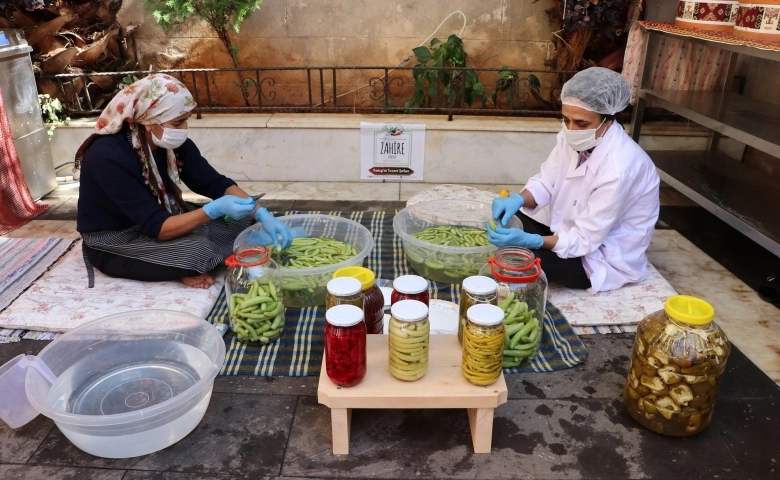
(409,340)
(483,344)
(677,365)
(522,294)
(345,345)
(374,303)
(344,291)
(254,293)
(475,290)
(410,287)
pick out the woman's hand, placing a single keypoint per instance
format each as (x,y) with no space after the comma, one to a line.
(505,208)
(274,227)
(501,237)
(231,206)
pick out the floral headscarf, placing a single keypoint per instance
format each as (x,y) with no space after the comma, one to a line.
(155,99)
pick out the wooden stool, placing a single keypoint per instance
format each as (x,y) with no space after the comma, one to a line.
(443,386)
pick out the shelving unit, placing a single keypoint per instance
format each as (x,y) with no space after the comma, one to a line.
(739,194)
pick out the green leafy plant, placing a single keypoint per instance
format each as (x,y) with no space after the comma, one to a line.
(51,108)
(449,86)
(509,83)
(126,81)
(220,15)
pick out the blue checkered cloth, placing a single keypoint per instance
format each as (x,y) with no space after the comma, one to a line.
(299,351)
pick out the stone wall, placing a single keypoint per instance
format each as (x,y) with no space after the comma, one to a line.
(290,33)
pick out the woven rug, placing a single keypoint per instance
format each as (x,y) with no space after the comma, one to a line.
(299,351)
(23,260)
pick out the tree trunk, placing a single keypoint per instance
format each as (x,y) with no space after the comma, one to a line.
(223,35)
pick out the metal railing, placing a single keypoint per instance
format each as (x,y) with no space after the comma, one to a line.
(353,89)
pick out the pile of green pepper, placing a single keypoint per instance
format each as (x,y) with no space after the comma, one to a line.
(522,331)
(447,267)
(258,315)
(453,236)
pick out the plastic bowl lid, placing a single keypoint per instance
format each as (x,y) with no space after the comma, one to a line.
(485,314)
(408,310)
(691,310)
(344,315)
(367,277)
(479,285)
(410,284)
(344,286)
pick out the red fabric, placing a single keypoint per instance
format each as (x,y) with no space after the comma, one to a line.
(17,206)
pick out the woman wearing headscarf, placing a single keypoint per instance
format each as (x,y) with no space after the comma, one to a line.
(601,189)
(131,215)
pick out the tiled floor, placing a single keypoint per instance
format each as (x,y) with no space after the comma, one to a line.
(565,424)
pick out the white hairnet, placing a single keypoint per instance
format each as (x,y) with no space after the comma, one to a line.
(597,89)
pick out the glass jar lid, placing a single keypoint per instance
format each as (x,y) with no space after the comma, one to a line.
(485,314)
(344,315)
(344,286)
(688,309)
(408,310)
(479,285)
(366,276)
(248,256)
(410,284)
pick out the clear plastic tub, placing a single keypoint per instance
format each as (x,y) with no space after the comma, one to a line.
(128,384)
(307,287)
(442,263)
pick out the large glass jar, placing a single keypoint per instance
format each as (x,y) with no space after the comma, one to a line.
(410,287)
(409,340)
(345,345)
(374,304)
(483,344)
(522,294)
(474,290)
(677,364)
(254,293)
(344,291)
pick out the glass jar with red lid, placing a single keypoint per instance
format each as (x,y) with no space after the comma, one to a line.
(374,304)
(345,345)
(254,293)
(410,287)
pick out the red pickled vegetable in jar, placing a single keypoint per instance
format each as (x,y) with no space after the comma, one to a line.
(410,287)
(345,345)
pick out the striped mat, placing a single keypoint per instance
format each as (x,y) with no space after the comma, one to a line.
(23,260)
(299,351)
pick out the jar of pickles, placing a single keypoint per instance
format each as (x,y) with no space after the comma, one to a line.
(483,344)
(474,290)
(254,293)
(374,303)
(410,287)
(522,294)
(345,345)
(409,339)
(344,291)
(677,364)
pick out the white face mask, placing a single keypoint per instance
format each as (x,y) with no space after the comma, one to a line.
(581,140)
(172,138)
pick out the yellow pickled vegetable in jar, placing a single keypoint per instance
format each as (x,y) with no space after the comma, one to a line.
(344,291)
(483,344)
(475,290)
(409,340)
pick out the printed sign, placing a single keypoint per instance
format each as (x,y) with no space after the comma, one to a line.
(392,152)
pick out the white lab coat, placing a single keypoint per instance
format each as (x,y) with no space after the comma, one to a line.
(604,211)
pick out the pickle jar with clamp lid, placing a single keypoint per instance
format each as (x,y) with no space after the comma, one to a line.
(409,340)
(344,291)
(474,290)
(483,344)
(345,345)
(677,365)
(254,293)
(410,287)
(522,294)
(374,304)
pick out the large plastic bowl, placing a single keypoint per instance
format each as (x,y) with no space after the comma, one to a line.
(441,263)
(129,384)
(307,287)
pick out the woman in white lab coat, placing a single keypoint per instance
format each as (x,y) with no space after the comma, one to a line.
(601,189)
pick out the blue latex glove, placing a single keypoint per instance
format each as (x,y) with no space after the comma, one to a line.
(275,228)
(260,237)
(505,208)
(502,237)
(230,205)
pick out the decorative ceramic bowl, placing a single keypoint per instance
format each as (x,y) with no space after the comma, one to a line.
(759,21)
(714,16)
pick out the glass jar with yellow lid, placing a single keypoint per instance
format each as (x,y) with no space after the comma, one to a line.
(374,302)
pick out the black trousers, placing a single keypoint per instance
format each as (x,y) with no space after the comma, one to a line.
(125,267)
(568,272)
